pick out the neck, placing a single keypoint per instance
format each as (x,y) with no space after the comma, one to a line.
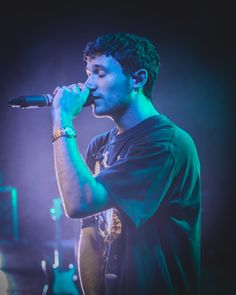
(138,111)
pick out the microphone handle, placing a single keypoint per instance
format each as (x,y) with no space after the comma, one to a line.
(31,101)
(43,100)
(37,101)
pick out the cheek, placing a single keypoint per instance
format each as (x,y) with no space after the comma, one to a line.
(117,87)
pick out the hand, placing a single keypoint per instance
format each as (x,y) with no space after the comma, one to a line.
(69,100)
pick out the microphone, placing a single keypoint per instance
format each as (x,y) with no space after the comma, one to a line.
(35,101)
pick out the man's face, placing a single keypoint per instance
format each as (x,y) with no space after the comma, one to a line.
(109,85)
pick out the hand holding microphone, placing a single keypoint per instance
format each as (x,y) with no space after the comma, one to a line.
(69,100)
(43,100)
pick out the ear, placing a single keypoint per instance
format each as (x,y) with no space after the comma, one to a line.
(139,78)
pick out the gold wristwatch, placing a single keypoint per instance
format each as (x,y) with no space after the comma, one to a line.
(65,131)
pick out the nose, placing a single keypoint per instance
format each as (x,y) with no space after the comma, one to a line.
(90,83)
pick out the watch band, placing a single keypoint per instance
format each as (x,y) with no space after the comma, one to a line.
(65,131)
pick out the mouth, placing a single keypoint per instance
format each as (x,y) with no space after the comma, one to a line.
(97,101)
(96,98)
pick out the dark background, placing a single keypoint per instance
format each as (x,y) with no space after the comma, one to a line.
(41,48)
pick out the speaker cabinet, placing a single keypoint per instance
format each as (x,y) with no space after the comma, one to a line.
(8,214)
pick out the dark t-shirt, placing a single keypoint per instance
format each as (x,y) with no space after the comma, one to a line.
(152,175)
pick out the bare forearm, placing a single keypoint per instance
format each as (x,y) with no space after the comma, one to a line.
(81,194)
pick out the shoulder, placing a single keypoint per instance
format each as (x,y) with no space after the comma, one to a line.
(175,137)
(157,131)
(162,134)
(184,150)
(171,139)
(182,140)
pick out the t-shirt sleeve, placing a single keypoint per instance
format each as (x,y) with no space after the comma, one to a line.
(138,184)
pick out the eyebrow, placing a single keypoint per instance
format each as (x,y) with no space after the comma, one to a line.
(97,66)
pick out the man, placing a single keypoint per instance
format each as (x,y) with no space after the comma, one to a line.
(138,193)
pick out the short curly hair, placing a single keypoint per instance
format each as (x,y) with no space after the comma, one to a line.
(131,51)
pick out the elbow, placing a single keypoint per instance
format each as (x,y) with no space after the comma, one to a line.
(74,213)
(73,207)
(78,211)
(88,203)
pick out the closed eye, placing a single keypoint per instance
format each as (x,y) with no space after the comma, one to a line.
(101,74)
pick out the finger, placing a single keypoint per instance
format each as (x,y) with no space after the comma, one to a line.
(81,85)
(84,91)
(78,87)
(56,90)
(72,86)
(75,88)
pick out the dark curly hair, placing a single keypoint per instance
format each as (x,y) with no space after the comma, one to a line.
(131,51)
